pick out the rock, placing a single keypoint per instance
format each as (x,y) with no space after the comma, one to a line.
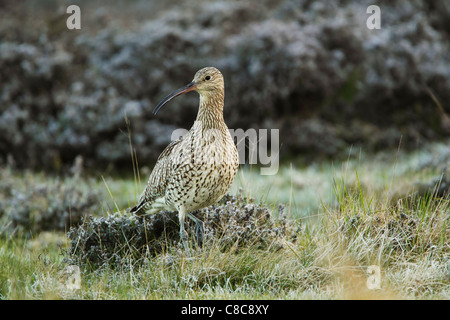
(232,223)
(36,207)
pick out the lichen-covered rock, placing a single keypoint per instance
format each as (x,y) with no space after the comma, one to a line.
(32,207)
(233,223)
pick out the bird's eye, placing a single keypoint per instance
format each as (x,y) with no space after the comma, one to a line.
(207,78)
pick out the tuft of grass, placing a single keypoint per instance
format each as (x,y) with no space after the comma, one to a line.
(396,236)
(233,224)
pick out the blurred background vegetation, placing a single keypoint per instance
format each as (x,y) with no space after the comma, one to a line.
(309,68)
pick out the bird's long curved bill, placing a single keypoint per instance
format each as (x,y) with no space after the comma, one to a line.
(189,87)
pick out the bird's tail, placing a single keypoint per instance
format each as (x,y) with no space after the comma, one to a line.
(150,206)
(139,209)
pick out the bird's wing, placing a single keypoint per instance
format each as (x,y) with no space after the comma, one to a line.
(168,150)
(159,178)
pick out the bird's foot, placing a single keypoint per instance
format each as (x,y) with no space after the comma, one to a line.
(198,232)
(184,236)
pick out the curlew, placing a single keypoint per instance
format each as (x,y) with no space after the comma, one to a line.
(196,170)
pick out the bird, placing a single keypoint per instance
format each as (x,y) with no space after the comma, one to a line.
(198,169)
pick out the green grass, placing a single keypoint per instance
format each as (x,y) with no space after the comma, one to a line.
(305,189)
(366,213)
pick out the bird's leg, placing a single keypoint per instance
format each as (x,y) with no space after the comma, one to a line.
(183,234)
(198,231)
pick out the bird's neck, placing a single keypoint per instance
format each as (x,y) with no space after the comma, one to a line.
(210,111)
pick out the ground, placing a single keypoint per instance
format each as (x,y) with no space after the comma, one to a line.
(371,227)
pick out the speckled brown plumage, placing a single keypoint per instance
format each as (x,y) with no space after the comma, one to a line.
(198,169)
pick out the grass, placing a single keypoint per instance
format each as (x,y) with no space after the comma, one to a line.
(368,217)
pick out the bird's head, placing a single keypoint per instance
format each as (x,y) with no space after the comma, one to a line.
(207,81)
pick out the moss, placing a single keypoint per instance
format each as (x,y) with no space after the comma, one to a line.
(234,223)
(30,206)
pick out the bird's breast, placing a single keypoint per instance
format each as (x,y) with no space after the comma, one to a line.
(204,172)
